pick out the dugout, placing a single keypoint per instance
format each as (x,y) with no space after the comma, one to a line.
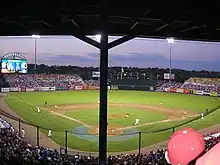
(145,85)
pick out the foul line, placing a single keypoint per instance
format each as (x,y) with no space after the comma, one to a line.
(117,129)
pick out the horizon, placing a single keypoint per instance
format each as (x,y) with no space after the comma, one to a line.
(139,52)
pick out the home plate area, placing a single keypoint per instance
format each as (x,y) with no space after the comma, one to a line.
(112,130)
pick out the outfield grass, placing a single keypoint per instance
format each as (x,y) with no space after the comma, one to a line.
(24,104)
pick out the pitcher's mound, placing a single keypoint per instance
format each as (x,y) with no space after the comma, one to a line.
(112,130)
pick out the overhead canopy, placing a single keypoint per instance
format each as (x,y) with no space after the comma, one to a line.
(146,18)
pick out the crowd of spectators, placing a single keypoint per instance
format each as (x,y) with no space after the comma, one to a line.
(43,80)
(15,150)
(203,84)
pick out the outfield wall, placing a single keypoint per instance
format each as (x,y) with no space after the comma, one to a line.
(112,87)
(188,91)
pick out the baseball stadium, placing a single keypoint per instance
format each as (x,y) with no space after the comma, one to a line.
(141,113)
(155,101)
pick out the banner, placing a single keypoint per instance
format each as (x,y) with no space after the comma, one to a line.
(198,92)
(78,88)
(22,89)
(44,89)
(52,88)
(194,92)
(12,89)
(172,90)
(114,87)
(179,90)
(36,88)
(166,89)
(206,93)
(186,91)
(30,89)
(5,90)
(214,94)
(58,88)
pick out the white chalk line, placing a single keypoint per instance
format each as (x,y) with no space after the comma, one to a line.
(117,129)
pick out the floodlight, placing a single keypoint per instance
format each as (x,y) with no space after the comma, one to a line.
(170,40)
(98,37)
(35,36)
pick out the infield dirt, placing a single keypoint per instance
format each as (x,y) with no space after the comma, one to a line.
(170,112)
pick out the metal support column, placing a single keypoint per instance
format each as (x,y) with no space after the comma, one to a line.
(38,136)
(66,142)
(170,67)
(103,108)
(35,55)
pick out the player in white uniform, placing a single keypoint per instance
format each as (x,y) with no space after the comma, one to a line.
(137,121)
(22,133)
(38,109)
(202,116)
(49,133)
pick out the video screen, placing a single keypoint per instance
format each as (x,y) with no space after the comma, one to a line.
(14,66)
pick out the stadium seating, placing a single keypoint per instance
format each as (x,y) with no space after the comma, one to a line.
(15,150)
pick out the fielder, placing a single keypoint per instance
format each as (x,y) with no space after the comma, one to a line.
(137,121)
(49,133)
(202,116)
(127,115)
(185,113)
(22,133)
(38,109)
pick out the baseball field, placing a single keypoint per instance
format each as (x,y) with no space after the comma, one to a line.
(78,113)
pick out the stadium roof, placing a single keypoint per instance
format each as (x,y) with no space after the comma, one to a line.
(145,18)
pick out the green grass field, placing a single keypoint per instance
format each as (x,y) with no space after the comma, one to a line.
(24,104)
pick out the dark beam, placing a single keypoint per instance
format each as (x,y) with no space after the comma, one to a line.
(87,40)
(103,107)
(121,40)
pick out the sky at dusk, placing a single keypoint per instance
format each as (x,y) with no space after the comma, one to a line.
(139,52)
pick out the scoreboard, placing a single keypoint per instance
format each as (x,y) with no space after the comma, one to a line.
(14,66)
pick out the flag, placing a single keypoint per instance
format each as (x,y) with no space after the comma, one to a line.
(122,70)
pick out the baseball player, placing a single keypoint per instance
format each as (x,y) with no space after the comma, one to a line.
(49,133)
(137,121)
(38,109)
(185,112)
(202,116)
(184,147)
(127,115)
(22,133)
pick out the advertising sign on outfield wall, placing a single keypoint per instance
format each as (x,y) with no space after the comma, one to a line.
(179,90)
(13,89)
(22,89)
(114,87)
(30,89)
(78,88)
(5,90)
(172,90)
(52,88)
(215,94)
(186,91)
(198,92)
(206,93)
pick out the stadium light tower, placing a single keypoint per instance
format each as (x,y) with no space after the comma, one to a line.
(170,42)
(35,51)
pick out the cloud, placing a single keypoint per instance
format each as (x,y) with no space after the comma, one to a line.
(132,59)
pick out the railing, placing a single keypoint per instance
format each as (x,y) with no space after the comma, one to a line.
(35,136)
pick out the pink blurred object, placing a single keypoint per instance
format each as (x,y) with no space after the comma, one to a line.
(212,157)
(184,146)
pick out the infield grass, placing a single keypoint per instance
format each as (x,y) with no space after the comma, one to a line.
(24,104)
